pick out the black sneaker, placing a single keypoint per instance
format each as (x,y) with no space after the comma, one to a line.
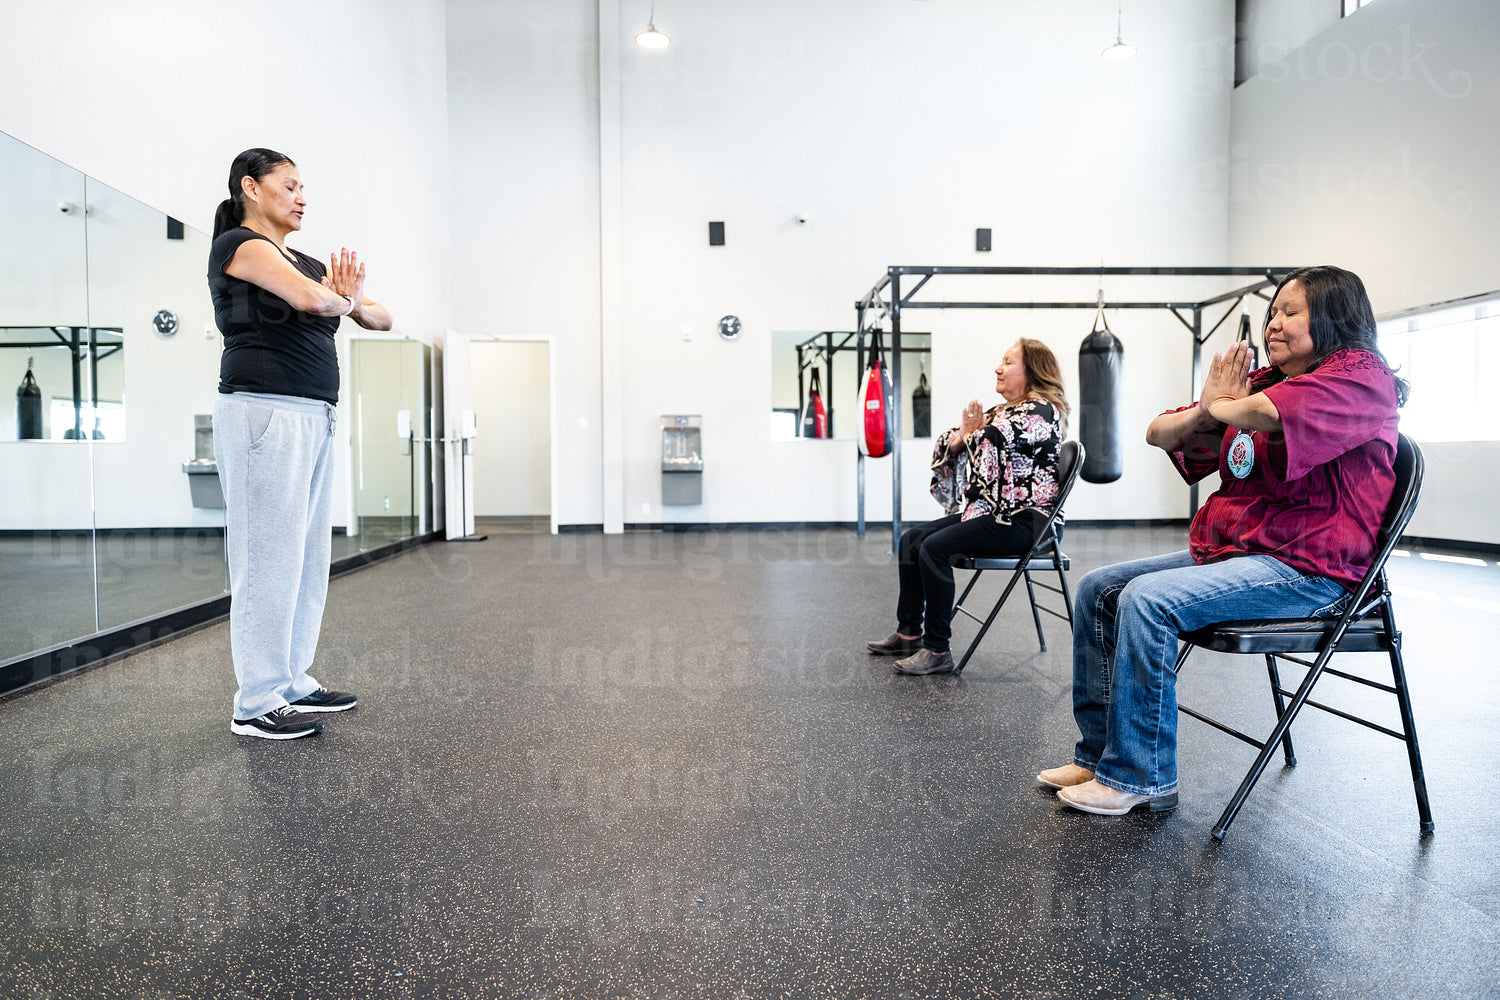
(324,700)
(285,723)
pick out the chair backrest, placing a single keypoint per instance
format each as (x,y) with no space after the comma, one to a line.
(1069,465)
(1410,466)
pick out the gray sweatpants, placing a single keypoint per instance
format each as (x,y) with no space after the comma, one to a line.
(275,456)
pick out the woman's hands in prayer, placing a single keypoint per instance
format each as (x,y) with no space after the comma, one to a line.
(1228,381)
(346,275)
(973,419)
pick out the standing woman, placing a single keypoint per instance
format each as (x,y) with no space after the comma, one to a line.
(278,310)
(996,476)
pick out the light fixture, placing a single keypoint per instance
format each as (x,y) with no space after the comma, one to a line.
(1115,52)
(651,38)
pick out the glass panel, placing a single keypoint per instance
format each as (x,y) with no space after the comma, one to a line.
(387,400)
(46,518)
(157,509)
(833,357)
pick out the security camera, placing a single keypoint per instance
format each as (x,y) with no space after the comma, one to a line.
(801,219)
(66,207)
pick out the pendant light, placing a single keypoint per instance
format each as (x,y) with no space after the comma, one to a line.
(651,38)
(1115,52)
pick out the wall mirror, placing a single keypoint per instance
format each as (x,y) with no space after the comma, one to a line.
(112,514)
(390,428)
(828,362)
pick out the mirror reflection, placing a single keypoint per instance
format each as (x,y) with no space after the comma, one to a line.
(386,397)
(816,378)
(159,535)
(46,517)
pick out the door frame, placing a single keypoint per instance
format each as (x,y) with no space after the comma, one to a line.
(521,338)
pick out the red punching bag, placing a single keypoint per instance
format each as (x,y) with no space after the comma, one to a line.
(876,405)
(815,418)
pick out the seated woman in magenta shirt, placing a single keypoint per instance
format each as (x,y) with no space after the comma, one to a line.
(1305,452)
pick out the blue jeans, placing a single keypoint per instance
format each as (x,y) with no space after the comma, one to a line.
(1125,624)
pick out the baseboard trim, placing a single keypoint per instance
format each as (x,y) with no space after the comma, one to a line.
(683,526)
(1427,542)
(194,531)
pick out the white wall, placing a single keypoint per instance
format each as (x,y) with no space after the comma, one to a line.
(524,141)
(761,111)
(512,408)
(156,97)
(355,92)
(1374,147)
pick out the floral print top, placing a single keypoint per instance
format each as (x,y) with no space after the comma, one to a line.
(1007,466)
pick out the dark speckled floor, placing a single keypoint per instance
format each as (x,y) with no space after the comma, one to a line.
(662,766)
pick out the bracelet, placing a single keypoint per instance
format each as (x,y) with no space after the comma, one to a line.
(351,304)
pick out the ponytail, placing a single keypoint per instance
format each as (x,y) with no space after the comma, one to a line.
(226,217)
(255,164)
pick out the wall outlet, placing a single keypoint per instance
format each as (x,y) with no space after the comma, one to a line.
(687,334)
(646,509)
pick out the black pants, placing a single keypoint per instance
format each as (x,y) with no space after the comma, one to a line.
(926,602)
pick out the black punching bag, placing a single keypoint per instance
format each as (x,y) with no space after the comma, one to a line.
(28,408)
(921,408)
(1101,378)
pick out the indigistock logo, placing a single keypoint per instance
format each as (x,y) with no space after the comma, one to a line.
(644,901)
(160,782)
(660,784)
(1151,900)
(202,910)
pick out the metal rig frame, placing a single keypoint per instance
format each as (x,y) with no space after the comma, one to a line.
(886,300)
(72,337)
(822,345)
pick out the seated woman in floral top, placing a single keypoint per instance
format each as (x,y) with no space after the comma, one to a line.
(996,476)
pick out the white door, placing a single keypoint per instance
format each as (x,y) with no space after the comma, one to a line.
(513,475)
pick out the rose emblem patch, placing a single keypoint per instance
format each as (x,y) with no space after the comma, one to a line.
(1241,455)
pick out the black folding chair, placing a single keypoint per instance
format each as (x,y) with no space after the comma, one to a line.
(1368,625)
(1045,554)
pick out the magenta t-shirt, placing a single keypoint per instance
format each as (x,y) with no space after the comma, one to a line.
(1312,494)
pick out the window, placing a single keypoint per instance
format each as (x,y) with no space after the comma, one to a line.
(1451,357)
(1350,6)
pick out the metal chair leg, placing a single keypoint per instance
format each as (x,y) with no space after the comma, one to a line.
(959,606)
(1286,741)
(1063,579)
(1283,723)
(1409,725)
(1004,596)
(964,596)
(1036,616)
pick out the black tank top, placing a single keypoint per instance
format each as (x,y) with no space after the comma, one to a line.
(268,345)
